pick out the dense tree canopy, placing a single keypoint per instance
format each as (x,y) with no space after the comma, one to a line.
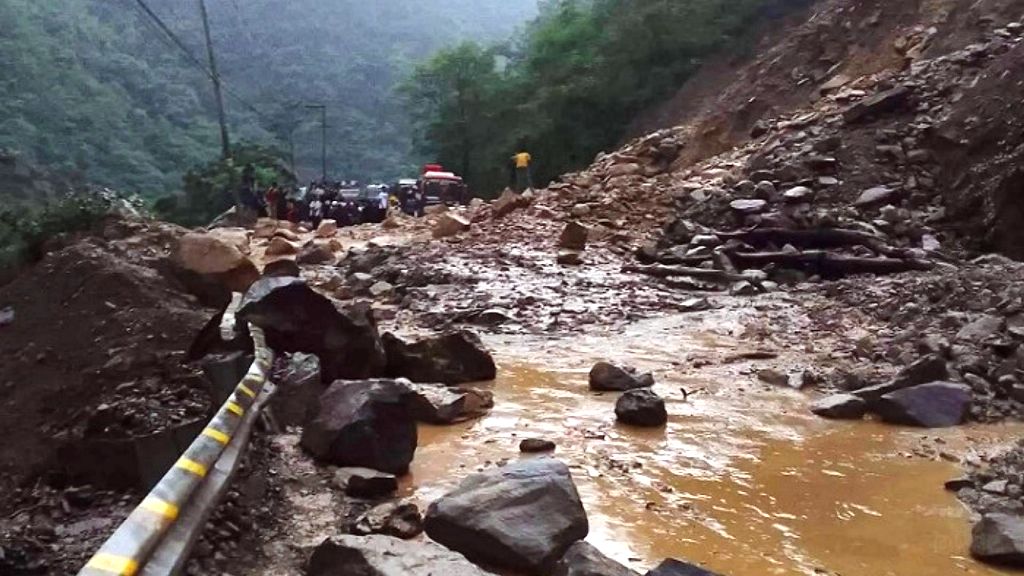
(570,84)
(92,86)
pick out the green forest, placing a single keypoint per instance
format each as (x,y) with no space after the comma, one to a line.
(567,87)
(92,88)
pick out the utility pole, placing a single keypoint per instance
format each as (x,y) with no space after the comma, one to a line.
(225,143)
(323,136)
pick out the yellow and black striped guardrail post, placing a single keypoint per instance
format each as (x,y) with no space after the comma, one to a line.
(127,550)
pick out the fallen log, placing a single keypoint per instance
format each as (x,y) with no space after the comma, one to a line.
(830,265)
(683,260)
(813,238)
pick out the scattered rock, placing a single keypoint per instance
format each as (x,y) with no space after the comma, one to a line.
(534,445)
(327,229)
(278,246)
(313,254)
(583,559)
(574,236)
(365,424)
(450,224)
(365,483)
(282,267)
(605,377)
(569,257)
(641,407)
(841,407)
(935,405)
(999,539)
(874,196)
(881,103)
(399,519)
(980,329)
(749,206)
(580,210)
(522,516)
(508,202)
(673,567)
(457,357)
(378,555)
(438,404)
(773,377)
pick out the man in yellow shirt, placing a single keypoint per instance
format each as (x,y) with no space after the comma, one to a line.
(524,179)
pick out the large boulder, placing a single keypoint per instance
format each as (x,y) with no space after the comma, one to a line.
(295,318)
(363,424)
(386,556)
(279,246)
(935,405)
(327,229)
(583,559)
(605,377)
(212,268)
(438,404)
(673,567)
(452,358)
(282,267)
(876,104)
(399,519)
(641,407)
(999,539)
(522,516)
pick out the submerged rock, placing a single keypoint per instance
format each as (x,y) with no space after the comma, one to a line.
(386,556)
(673,567)
(840,407)
(641,407)
(522,516)
(534,445)
(583,559)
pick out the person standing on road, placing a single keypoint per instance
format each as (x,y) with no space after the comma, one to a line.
(524,179)
(271,196)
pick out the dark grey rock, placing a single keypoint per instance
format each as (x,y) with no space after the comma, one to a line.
(880,103)
(438,404)
(583,559)
(999,539)
(641,407)
(295,318)
(365,483)
(673,567)
(522,516)
(935,405)
(605,377)
(930,368)
(363,423)
(452,358)
(534,445)
(386,556)
(840,407)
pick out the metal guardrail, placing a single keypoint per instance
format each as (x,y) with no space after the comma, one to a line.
(158,534)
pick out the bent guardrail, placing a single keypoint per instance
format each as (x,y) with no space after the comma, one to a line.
(187,485)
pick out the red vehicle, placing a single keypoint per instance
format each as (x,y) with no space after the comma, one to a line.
(443,188)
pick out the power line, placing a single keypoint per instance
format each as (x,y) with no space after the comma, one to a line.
(141,4)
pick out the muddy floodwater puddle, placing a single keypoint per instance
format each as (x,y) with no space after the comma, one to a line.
(743,480)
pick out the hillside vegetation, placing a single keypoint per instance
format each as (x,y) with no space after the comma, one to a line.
(91,86)
(570,84)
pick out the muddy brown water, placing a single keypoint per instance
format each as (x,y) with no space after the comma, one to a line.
(743,480)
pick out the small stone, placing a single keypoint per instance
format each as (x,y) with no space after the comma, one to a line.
(534,445)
